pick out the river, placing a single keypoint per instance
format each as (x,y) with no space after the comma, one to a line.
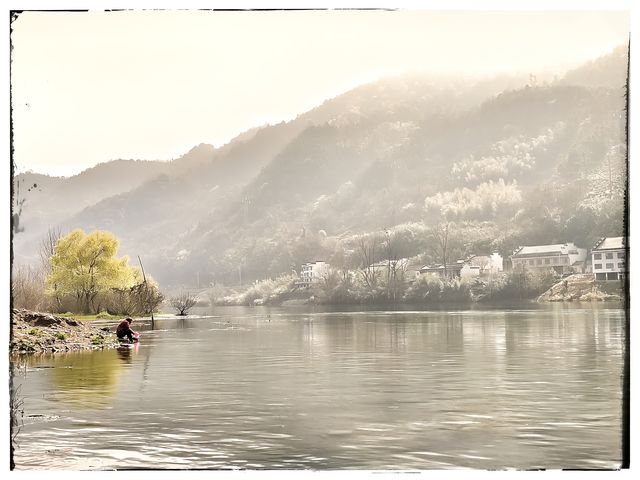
(258,388)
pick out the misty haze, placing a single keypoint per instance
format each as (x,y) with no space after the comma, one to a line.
(426,271)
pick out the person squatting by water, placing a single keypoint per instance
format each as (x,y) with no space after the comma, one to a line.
(124,330)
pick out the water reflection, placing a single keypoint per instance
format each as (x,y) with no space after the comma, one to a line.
(333,390)
(124,353)
(84,379)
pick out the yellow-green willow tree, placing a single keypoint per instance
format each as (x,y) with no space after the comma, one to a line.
(85,266)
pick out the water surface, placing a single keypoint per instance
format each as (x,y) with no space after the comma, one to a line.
(261,388)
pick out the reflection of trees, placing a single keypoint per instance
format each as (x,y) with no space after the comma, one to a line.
(88,379)
(16,410)
(434,333)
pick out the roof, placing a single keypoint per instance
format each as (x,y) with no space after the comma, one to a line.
(385,263)
(413,265)
(557,248)
(610,243)
(471,257)
(450,266)
(316,263)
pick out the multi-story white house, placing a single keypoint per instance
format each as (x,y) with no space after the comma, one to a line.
(609,258)
(562,258)
(313,272)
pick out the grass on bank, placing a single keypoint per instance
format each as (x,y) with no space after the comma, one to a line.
(96,316)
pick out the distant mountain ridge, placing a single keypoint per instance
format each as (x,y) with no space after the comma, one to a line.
(373,158)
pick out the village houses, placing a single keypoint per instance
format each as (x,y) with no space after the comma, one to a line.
(608,259)
(474,266)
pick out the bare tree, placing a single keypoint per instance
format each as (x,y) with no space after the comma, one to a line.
(367,259)
(141,299)
(330,280)
(47,249)
(183,302)
(147,294)
(215,292)
(483,262)
(440,233)
(394,267)
(27,288)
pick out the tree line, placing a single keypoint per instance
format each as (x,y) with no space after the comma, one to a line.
(80,273)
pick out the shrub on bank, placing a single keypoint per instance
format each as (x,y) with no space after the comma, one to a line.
(263,292)
(433,289)
(517,284)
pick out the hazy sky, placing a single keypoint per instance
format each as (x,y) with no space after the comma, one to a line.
(91,87)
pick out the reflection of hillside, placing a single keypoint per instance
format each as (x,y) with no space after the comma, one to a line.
(378,333)
(87,379)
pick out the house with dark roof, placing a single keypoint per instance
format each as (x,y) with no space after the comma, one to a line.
(406,268)
(412,270)
(451,270)
(608,258)
(472,267)
(561,258)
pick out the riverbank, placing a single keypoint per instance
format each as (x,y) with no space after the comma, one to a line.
(583,288)
(429,290)
(35,332)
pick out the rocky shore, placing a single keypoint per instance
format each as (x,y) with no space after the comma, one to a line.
(578,288)
(34,332)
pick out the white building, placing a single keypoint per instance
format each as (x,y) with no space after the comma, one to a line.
(470,271)
(483,265)
(313,272)
(496,263)
(608,258)
(562,258)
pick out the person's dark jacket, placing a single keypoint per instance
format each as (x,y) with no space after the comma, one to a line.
(124,330)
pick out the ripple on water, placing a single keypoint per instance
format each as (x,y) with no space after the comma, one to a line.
(368,391)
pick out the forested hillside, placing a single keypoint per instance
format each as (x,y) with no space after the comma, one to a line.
(501,162)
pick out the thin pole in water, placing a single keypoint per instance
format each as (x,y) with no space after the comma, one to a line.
(144,278)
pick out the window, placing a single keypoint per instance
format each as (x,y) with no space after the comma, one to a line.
(597,256)
(539,261)
(609,266)
(620,254)
(609,256)
(530,262)
(597,266)
(601,276)
(621,265)
(547,261)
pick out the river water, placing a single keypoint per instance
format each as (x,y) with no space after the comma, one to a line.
(258,388)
